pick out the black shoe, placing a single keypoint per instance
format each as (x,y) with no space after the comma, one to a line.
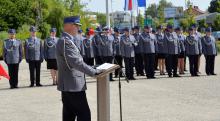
(39,85)
(176,75)
(213,74)
(31,85)
(112,80)
(12,87)
(132,78)
(170,75)
(151,77)
(196,75)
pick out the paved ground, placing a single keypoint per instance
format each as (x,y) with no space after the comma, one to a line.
(162,99)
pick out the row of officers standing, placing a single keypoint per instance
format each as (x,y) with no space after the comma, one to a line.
(144,50)
(147,50)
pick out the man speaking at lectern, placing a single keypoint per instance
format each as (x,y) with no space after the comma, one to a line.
(71,73)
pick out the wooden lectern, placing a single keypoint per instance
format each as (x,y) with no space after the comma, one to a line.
(103,94)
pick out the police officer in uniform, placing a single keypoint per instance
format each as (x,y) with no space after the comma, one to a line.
(161,49)
(127,44)
(88,48)
(181,57)
(107,47)
(149,45)
(193,49)
(199,35)
(50,54)
(34,56)
(71,74)
(79,42)
(139,64)
(12,54)
(172,51)
(117,52)
(97,46)
(209,50)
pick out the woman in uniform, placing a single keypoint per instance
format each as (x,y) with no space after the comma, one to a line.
(50,54)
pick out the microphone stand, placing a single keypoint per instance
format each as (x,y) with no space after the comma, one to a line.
(119,85)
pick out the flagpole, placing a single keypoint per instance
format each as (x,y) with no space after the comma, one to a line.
(107,14)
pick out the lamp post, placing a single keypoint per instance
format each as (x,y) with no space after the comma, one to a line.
(107,14)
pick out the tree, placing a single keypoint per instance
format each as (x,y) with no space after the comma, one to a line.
(41,13)
(216,24)
(152,10)
(15,13)
(101,19)
(202,25)
(188,19)
(140,20)
(157,11)
(214,6)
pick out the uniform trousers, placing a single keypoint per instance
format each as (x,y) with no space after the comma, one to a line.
(171,64)
(193,64)
(13,73)
(75,106)
(139,64)
(34,67)
(98,60)
(129,65)
(89,61)
(108,59)
(118,60)
(149,64)
(210,64)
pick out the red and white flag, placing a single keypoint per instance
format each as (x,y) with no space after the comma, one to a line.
(130,5)
(3,72)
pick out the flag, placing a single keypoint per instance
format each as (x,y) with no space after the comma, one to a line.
(3,72)
(130,5)
(141,3)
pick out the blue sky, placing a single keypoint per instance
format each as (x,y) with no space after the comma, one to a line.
(99,5)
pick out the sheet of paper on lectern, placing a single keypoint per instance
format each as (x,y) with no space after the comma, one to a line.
(105,66)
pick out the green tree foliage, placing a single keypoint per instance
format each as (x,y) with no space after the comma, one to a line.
(41,13)
(189,19)
(157,11)
(14,13)
(101,18)
(140,20)
(214,6)
(216,24)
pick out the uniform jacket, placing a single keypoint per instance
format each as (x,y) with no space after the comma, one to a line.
(107,45)
(50,48)
(209,45)
(138,49)
(96,42)
(148,43)
(88,48)
(72,69)
(193,45)
(12,51)
(172,43)
(33,49)
(127,44)
(181,39)
(161,44)
(116,45)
